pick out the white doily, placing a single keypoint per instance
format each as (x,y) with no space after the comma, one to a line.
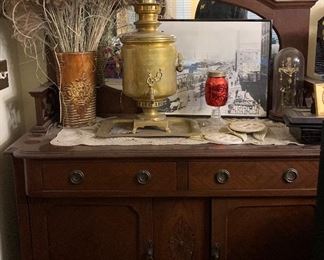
(277,134)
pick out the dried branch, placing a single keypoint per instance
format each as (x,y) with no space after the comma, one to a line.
(63,25)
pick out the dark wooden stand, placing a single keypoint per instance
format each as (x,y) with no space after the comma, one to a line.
(164,202)
(46,98)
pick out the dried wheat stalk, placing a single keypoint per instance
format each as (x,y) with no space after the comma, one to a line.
(64,25)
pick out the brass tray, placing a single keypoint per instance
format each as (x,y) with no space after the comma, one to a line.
(121,127)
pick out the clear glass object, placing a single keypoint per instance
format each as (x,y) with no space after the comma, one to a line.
(288,81)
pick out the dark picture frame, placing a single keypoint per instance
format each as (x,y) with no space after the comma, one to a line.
(4,75)
(240,48)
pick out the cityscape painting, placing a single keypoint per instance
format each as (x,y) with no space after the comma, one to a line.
(239,48)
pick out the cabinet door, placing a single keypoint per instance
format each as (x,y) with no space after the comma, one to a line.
(181,229)
(91,229)
(254,229)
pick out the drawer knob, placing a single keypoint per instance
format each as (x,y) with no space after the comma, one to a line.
(143,177)
(76,177)
(222,176)
(290,175)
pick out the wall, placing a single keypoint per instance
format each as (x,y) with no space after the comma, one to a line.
(317,12)
(11,126)
(16,116)
(31,77)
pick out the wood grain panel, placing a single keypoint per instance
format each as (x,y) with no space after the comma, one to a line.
(256,174)
(255,229)
(22,206)
(99,175)
(97,230)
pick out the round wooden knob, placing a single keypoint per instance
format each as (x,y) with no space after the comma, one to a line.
(290,175)
(222,176)
(76,177)
(143,177)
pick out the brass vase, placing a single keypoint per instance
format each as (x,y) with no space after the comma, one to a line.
(76,80)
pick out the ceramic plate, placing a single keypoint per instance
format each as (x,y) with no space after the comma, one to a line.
(260,136)
(222,138)
(241,135)
(247,126)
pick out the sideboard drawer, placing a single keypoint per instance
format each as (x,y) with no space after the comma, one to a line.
(86,176)
(245,175)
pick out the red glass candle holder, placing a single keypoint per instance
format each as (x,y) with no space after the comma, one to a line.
(216,94)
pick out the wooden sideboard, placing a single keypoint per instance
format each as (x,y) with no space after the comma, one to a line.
(164,202)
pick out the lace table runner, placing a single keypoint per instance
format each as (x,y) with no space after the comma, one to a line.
(277,134)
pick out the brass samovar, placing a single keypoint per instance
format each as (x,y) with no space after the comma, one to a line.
(149,66)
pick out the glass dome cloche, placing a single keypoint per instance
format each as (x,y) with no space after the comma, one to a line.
(288,81)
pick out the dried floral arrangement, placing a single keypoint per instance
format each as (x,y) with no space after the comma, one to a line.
(63,25)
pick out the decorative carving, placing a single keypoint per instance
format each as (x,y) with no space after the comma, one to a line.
(182,242)
(79,94)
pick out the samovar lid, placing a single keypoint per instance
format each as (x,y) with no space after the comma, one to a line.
(216,73)
(147,24)
(143,37)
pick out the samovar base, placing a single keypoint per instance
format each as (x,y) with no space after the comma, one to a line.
(142,123)
(151,117)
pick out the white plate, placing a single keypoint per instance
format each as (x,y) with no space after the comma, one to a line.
(241,135)
(247,126)
(222,138)
(260,136)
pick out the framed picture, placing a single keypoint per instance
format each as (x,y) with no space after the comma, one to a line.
(241,49)
(4,74)
(319,99)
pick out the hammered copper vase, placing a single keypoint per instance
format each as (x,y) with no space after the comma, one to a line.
(76,79)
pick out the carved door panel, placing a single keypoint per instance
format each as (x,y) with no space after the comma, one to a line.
(267,229)
(116,229)
(181,229)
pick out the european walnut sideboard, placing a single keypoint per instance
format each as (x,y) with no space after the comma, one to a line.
(164,202)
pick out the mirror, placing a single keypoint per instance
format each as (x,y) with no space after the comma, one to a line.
(209,10)
(195,9)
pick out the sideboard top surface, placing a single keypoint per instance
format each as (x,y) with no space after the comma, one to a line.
(37,146)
